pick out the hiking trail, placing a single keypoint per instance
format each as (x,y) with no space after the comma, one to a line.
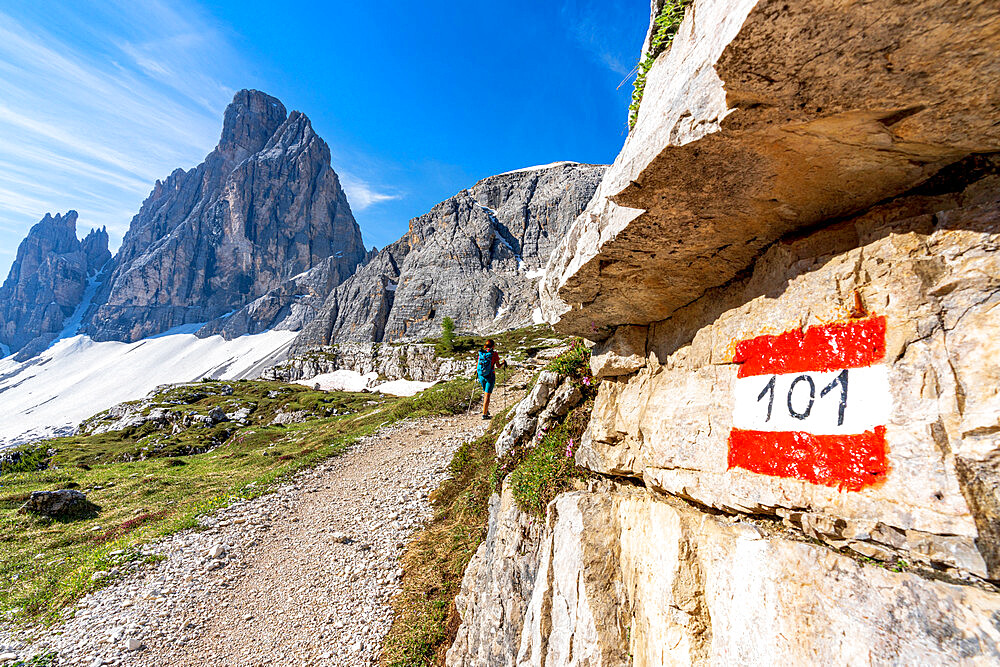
(302,575)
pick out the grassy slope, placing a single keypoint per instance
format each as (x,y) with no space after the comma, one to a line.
(144,485)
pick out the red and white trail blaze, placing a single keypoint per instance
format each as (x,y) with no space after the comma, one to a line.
(813,405)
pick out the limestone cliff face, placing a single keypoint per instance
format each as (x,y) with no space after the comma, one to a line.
(798,173)
(47,281)
(264,207)
(622,576)
(413,361)
(475,257)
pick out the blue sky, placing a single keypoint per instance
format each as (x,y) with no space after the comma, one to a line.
(102,98)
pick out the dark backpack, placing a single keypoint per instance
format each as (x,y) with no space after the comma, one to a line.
(485,366)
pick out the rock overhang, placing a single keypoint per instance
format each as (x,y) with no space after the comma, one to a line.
(769,126)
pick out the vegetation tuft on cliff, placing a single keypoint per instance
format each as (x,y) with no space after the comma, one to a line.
(665,26)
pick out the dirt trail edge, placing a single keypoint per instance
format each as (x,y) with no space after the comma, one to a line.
(303,575)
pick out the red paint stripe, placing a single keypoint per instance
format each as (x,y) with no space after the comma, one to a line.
(850,462)
(821,348)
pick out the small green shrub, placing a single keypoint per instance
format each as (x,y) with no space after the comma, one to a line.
(667,23)
(447,334)
(28,459)
(574,363)
(46,659)
(545,468)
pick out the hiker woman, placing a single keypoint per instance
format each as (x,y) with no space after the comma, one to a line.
(489,360)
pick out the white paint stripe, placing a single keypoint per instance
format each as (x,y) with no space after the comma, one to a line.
(867,404)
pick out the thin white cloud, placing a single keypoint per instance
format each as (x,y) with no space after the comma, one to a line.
(587,21)
(361,194)
(101,99)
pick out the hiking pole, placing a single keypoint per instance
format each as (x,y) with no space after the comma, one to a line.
(472,392)
(503,393)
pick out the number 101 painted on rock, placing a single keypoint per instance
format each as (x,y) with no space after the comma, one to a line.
(813,405)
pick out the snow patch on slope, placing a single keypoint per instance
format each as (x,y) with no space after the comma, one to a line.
(341,380)
(500,239)
(520,262)
(403,387)
(348,380)
(72,324)
(78,377)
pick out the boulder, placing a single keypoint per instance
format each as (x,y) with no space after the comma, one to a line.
(564,399)
(294,417)
(518,431)
(239,415)
(524,423)
(624,352)
(59,503)
(538,397)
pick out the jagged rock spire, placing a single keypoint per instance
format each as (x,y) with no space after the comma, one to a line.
(264,206)
(47,281)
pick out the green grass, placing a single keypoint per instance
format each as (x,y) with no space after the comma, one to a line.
(538,474)
(42,660)
(545,467)
(575,362)
(35,457)
(143,492)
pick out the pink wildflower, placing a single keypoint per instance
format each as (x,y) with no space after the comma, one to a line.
(569,448)
(586,381)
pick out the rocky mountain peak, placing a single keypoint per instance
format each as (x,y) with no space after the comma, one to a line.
(95,248)
(249,122)
(47,281)
(53,233)
(50,236)
(296,133)
(264,207)
(475,257)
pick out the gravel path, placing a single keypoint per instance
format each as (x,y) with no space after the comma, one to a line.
(301,576)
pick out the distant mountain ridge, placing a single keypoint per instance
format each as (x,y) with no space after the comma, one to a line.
(260,237)
(475,257)
(47,282)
